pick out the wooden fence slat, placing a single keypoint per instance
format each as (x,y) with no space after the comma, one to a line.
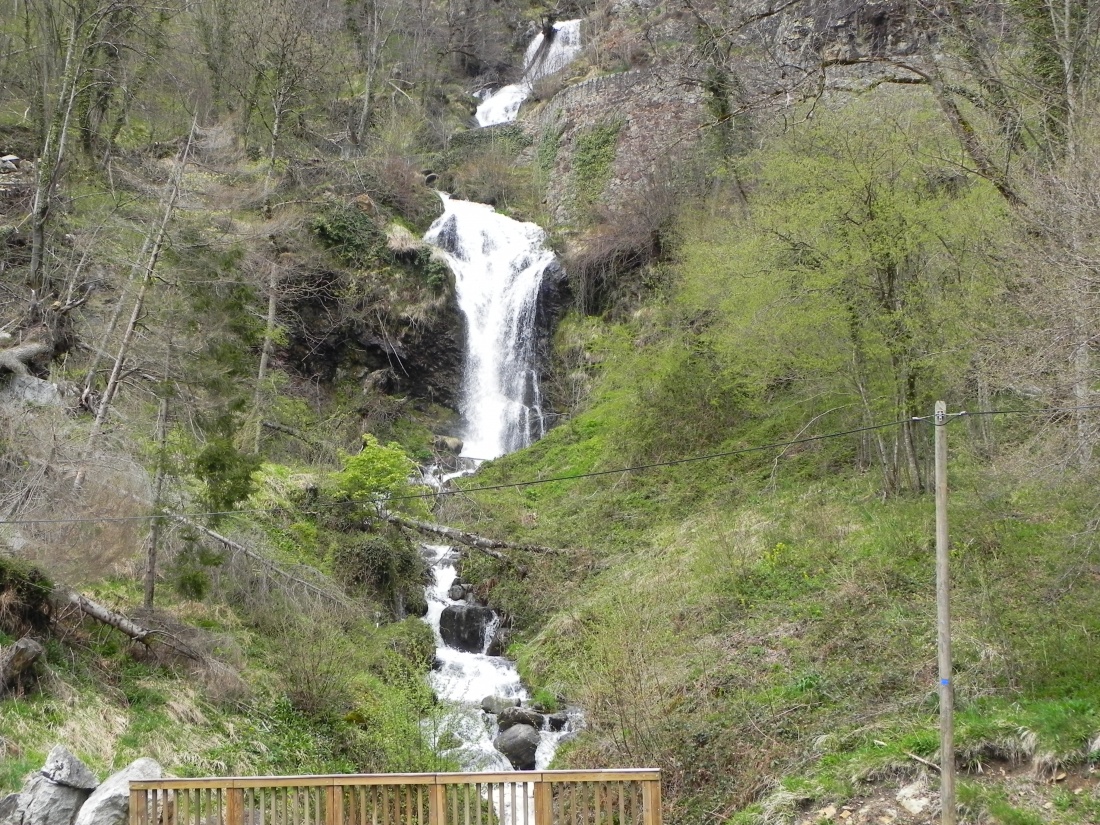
(651,791)
(544,804)
(437,804)
(139,805)
(614,797)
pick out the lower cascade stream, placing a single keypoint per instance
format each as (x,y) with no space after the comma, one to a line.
(487,716)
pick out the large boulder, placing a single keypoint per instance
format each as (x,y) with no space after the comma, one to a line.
(465,626)
(447,444)
(557,721)
(62,768)
(110,803)
(495,704)
(9,809)
(499,644)
(509,717)
(26,389)
(55,794)
(519,743)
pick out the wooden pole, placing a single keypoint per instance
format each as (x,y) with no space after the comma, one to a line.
(943,626)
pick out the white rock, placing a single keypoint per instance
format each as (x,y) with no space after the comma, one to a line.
(9,809)
(62,768)
(110,804)
(42,802)
(27,389)
(912,799)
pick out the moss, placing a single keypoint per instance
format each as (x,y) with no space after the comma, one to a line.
(593,156)
(547,151)
(351,235)
(24,598)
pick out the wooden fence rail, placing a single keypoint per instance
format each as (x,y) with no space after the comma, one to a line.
(613,797)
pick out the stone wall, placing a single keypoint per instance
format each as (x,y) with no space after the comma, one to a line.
(659,121)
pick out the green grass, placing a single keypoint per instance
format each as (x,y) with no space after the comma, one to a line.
(774,609)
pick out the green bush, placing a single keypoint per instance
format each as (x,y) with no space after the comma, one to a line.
(353,236)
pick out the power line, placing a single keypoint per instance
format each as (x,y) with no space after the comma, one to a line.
(635,468)
(528,483)
(574,476)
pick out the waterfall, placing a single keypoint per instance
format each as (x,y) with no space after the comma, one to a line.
(542,59)
(499,264)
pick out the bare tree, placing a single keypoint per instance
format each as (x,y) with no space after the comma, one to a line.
(150,267)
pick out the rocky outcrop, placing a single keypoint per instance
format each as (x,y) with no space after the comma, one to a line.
(416,351)
(658,120)
(55,794)
(9,807)
(26,389)
(109,804)
(66,792)
(466,626)
(495,704)
(17,664)
(509,717)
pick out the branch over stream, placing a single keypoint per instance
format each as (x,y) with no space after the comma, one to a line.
(491,547)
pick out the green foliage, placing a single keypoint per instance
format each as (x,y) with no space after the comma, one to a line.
(15,769)
(374,473)
(225,471)
(435,270)
(506,139)
(546,700)
(352,235)
(385,563)
(593,156)
(546,155)
(190,569)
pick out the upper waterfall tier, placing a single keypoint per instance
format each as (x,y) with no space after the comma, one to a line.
(499,266)
(542,59)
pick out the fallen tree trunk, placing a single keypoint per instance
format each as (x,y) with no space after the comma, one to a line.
(126,626)
(17,659)
(490,547)
(107,616)
(18,358)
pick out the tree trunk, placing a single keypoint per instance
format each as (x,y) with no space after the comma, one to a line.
(107,616)
(112,325)
(158,490)
(265,352)
(53,154)
(16,359)
(490,547)
(135,315)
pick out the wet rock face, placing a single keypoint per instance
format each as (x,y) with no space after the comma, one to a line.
(495,704)
(416,351)
(510,717)
(465,626)
(519,743)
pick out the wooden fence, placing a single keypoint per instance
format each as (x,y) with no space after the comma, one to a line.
(613,797)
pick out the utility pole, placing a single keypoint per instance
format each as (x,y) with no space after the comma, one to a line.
(943,626)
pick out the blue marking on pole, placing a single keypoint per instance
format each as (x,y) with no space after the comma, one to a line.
(945,682)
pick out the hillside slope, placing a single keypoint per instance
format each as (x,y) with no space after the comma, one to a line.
(787,230)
